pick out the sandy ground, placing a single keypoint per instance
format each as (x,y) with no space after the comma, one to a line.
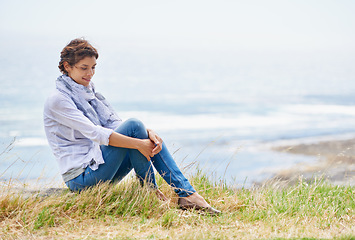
(336,162)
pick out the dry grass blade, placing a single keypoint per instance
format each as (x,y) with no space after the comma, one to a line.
(126,210)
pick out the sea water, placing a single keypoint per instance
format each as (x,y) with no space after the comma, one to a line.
(218,111)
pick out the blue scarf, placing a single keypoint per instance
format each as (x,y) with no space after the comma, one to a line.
(92,104)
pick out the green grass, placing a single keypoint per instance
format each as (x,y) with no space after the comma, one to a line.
(315,210)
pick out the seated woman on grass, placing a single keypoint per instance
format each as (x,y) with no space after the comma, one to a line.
(92,144)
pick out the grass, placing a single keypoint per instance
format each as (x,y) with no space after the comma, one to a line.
(315,210)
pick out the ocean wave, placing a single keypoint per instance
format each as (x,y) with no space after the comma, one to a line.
(31,142)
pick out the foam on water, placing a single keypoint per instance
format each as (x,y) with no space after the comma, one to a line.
(31,142)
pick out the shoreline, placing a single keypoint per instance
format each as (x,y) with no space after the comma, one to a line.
(335,161)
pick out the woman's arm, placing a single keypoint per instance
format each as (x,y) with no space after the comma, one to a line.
(60,109)
(148,147)
(63,110)
(144,146)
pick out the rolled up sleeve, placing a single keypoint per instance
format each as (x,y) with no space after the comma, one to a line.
(64,110)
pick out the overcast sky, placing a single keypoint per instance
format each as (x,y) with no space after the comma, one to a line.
(256,24)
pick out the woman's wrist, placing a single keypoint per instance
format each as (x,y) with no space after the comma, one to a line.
(119,140)
(139,143)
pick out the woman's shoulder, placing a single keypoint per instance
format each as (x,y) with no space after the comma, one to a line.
(57,99)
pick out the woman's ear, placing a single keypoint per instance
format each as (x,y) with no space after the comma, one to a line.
(67,66)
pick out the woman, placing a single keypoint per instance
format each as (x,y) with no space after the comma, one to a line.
(92,144)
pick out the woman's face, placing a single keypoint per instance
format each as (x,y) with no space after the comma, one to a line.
(82,71)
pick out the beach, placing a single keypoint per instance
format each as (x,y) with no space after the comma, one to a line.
(335,162)
(213,106)
(304,209)
(254,100)
(300,208)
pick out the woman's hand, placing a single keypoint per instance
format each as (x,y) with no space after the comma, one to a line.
(156,140)
(146,147)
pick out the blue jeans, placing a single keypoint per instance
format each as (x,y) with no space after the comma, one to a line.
(120,161)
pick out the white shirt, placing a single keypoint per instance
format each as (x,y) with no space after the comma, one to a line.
(74,139)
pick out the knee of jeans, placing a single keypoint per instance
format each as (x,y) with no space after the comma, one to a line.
(138,128)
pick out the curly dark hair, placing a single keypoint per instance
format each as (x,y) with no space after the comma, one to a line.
(75,51)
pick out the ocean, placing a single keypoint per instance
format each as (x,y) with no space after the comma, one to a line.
(217,111)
